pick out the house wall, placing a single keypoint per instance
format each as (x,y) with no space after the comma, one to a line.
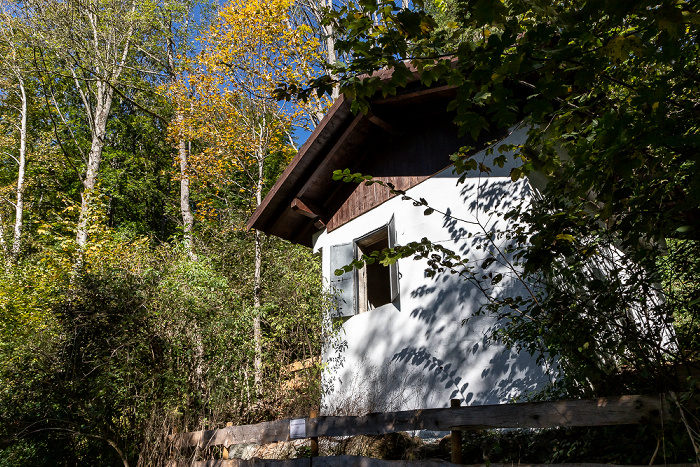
(415,352)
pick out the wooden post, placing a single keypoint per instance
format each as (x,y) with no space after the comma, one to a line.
(456,437)
(225,453)
(314,439)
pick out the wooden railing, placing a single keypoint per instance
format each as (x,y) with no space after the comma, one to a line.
(621,410)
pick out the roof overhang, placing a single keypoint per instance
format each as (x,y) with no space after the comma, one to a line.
(305,197)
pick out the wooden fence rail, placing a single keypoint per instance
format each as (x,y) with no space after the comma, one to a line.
(359,461)
(334,461)
(621,410)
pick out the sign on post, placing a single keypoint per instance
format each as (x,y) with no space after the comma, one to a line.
(297,428)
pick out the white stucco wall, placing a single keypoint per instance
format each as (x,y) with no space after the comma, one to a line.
(415,352)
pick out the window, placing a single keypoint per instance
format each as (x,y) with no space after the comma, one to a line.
(373,280)
(372,286)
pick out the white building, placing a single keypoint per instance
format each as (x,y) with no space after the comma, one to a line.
(403,342)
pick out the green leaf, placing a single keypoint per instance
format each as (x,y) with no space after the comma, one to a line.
(516,174)
(565,237)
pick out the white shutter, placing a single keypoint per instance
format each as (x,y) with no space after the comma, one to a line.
(343,287)
(393,268)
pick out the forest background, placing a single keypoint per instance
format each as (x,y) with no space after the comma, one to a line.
(136,138)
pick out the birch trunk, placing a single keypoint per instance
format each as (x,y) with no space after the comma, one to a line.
(183,155)
(3,245)
(257,331)
(257,283)
(187,217)
(14,64)
(93,42)
(330,49)
(19,200)
(102,109)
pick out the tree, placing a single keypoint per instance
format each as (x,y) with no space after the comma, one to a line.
(14,46)
(226,100)
(175,24)
(99,367)
(93,43)
(311,14)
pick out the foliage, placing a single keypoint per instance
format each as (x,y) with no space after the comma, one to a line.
(292,303)
(99,364)
(225,96)
(679,274)
(143,345)
(607,250)
(240,137)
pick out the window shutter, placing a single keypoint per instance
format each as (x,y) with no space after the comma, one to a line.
(393,268)
(343,287)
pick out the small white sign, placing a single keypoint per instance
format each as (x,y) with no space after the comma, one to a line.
(297,428)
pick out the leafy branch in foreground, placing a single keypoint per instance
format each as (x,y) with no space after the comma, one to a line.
(610,101)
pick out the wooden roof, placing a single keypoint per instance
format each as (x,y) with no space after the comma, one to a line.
(306,198)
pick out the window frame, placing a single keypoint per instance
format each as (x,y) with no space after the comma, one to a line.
(350,289)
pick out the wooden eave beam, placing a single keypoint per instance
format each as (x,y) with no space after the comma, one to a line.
(381,123)
(279,225)
(306,209)
(347,141)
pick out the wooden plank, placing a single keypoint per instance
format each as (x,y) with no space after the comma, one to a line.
(301,462)
(364,198)
(620,410)
(381,123)
(358,461)
(261,433)
(582,464)
(456,438)
(224,454)
(415,94)
(314,439)
(333,461)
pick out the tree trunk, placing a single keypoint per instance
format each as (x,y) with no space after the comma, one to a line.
(257,283)
(104,105)
(327,33)
(187,217)
(257,331)
(19,202)
(107,75)
(183,154)
(330,46)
